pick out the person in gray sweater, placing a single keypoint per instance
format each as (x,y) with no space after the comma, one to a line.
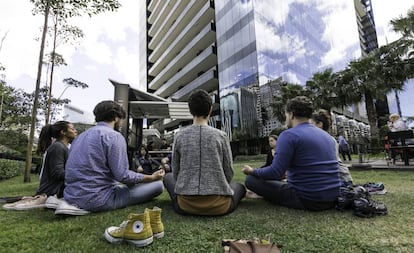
(202,166)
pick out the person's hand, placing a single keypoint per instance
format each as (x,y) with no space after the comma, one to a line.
(157,175)
(140,169)
(247,170)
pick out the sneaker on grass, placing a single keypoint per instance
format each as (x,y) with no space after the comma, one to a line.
(375,188)
(68,209)
(367,208)
(37,201)
(12,206)
(52,202)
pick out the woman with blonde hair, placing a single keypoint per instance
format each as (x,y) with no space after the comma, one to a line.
(396,123)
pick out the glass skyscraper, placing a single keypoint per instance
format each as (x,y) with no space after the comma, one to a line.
(232,48)
(263,40)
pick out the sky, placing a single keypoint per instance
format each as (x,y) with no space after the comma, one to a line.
(110,49)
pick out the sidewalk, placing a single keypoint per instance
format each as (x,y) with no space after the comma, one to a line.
(376,163)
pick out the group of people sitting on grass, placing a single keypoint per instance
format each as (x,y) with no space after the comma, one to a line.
(303,171)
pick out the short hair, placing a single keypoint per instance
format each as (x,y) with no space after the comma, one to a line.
(200,103)
(324,117)
(274,136)
(108,110)
(300,107)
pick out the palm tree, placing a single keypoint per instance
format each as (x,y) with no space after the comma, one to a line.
(325,91)
(287,91)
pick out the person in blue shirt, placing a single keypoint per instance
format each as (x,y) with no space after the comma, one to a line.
(308,155)
(97,176)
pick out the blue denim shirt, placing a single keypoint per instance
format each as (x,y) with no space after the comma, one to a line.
(97,162)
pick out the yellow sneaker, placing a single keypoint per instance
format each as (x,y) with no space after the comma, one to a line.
(156,223)
(135,230)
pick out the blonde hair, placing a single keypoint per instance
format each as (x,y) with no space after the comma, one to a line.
(394,116)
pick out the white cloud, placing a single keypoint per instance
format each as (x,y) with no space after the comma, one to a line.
(341,30)
(19,52)
(384,12)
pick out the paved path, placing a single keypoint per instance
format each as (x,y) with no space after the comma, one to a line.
(377,163)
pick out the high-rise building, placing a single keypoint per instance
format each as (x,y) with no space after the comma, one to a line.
(232,48)
(369,42)
(366,26)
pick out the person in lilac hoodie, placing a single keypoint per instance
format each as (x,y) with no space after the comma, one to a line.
(98,177)
(308,155)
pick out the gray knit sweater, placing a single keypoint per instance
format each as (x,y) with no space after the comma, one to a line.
(202,161)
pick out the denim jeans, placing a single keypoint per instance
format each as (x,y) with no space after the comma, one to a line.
(124,196)
(238,189)
(277,192)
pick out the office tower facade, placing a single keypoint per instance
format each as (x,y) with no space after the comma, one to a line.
(232,48)
(366,26)
(369,42)
(182,54)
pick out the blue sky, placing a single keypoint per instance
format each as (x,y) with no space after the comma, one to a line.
(110,49)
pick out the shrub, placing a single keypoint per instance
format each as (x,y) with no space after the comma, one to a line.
(10,168)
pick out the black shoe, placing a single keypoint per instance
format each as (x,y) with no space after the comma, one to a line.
(367,208)
(348,194)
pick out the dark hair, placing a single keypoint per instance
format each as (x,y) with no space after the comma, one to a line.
(108,110)
(300,107)
(324,117)
(145,148)
(200,103)
(274,136)
(48,132)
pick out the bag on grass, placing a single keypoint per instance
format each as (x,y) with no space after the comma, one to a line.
(249,246)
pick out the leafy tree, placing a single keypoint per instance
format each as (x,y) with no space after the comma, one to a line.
(62,33)
(69,8)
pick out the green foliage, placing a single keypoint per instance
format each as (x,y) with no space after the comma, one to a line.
(74,8)
(10,168)
(293,230)
(15,140)
(287,92)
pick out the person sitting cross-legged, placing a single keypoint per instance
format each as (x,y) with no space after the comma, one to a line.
(98,177)
(202,166)
(54,140)
(308,154)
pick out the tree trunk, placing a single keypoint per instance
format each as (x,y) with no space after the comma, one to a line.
(372,118)
(36,98)
(49,100)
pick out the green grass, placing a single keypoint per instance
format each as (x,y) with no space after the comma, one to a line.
(293,230)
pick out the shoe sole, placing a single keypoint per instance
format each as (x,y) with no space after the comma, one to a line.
(71,212)
(138,243)
(9,208)
(110,238)
(158,235)
(24,208)
(141,243)
(51,205)
(382,192)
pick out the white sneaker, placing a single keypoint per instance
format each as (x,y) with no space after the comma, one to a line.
(52,202)
(66,208)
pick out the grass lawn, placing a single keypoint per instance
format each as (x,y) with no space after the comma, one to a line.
(294,230)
